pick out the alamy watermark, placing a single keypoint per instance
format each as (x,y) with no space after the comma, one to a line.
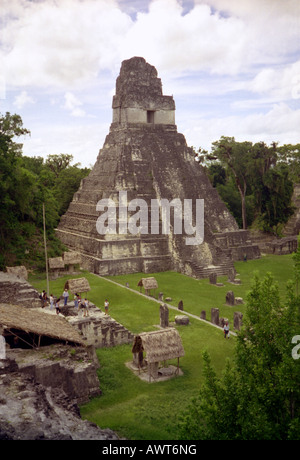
(295,350)
(151,219)
(2,347)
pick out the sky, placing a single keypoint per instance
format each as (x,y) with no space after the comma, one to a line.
(232,66)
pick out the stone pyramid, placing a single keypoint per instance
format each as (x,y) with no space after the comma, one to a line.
(144,158)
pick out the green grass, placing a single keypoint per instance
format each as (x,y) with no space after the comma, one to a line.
(198,295)
(140,410)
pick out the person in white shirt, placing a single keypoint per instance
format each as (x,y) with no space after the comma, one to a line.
(226,330)
(65,296)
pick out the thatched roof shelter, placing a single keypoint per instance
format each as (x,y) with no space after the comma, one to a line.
(148,284)
(77,285)
(72,258)
(56,263)
(159,345)
(39,323)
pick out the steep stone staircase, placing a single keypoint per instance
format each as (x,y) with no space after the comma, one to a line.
(221,269)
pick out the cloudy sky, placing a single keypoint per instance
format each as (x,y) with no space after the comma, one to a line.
(232,66)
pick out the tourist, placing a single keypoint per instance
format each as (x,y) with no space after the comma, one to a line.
(65,296)
(76,301)
(106,305)
(86,307)
(79,303)
(51,301)
(57,308)
(43,297)
(226,330)
(83,306)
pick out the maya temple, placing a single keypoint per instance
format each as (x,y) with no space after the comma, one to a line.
(146,160)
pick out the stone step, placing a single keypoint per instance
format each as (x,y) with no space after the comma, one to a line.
(204,272)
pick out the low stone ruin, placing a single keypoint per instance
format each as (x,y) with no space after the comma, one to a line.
(100,330)
(15,289)
(41,384)
(70,369)
(32,411)
(182,320)
(231,300)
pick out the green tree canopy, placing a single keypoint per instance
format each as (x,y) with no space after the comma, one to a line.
(260,175)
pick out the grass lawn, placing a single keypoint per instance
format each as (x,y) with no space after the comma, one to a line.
(140,410)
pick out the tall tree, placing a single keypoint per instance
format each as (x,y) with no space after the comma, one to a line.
(237,157)
(289,155)
(57,163)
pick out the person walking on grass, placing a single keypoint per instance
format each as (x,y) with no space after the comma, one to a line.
(226,330)
(106,305)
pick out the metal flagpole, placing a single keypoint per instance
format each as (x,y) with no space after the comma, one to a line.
(45,244)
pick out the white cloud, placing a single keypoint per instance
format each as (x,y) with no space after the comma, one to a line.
(280,83)
(70,42)
(83,141)
(60,43)
(72,104)
(22,99)
(279,124)
(198,40)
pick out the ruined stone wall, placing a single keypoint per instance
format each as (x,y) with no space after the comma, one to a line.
(61,367)
(32,411)
(16,290)
(100,330)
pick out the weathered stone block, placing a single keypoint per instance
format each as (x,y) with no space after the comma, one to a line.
(182,320)
(214,312)
(237,320)
(213,278)
(230,298)
(164,315)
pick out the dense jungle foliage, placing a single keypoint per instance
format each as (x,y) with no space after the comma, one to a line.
(256,181)
(25,184)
